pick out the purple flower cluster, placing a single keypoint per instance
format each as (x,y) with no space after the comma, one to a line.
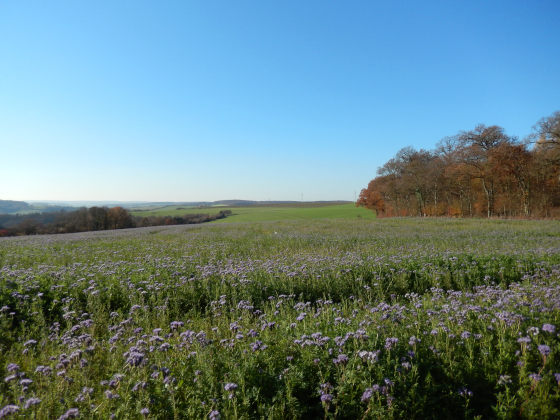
(325,395)
(544,349)
(72,413)
(549,328)
(230,386)
(342,359)
(465,392)
(391,343)
(7,410)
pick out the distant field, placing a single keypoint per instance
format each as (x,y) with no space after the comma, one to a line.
(272,212)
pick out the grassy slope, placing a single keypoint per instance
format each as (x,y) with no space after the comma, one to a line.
(262,213)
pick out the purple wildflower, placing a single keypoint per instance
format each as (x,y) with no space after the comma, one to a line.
(12,367)
(8,409)
(366,396)
(391,342)
(544,349)
(258,345)
(230,386)
(214,415)
(533,330)
(504,379)
(326,397)
(138,385)
(45,370)
(548,328)
(31,402)
(465,392)
(145,412)
(342,359)
(535,377)
(370,356)
(111,396)
(174,325)
(72,413)
(413,340)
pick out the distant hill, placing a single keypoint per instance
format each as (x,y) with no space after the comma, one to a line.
(9,206)
(245,202)
(94,203)
(56,205)
(22,207)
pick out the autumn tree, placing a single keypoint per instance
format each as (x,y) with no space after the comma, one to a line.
(547,130)
(478,145)
(98,218)
(118,218)
(513,163)
(455,181)
(372,197)
(481,171)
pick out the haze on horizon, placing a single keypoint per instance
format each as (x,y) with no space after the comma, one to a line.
(205,101)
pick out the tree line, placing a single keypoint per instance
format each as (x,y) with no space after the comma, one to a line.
(478,173)
(92,219)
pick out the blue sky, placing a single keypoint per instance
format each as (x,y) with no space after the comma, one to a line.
(209,100)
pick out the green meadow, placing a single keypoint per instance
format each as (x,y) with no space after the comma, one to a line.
(270,213)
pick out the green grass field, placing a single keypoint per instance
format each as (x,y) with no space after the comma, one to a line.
(272,212)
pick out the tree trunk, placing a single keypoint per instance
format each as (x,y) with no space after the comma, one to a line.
(489,197)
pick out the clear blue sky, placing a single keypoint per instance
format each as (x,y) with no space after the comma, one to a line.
(209,100)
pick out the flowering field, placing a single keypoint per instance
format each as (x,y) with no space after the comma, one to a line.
(345,319)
